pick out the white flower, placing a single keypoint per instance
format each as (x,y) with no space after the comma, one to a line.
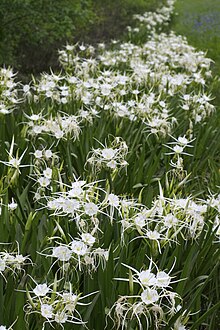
(89,261)
(178,149)
(113,200)
(2,327)
(41,290)
(163,279)
(154,235)
(70,206)
(2,266)
(12,206)
(19,259)
(149,296)
(64,100)
(106,89)
(88,238)
(140,220)
(79,248)
(147,278)
(54,204)
(76,190)
(112,164)
(38,154)
(48,173)
(82,47)
(183,140)
(3,110)
(178,325)
(37,130)
(14,162)
(34,117)
(91,208)
(44,182)
(170,220)
(70,47)
(49,93)
(70,301)
(108,153)
(62,253)
(61,317)
(59,134)
(47,311)
(69,297)
(48,153)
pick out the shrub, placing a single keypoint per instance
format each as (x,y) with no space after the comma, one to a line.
(31,31)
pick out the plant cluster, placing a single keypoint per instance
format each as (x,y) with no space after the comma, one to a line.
(107,221)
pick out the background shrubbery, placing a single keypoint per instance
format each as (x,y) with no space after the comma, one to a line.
(31,31)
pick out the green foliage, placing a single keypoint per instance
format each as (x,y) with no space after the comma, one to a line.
(32,31)
(113,16)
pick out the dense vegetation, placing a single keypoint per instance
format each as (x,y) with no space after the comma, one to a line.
(109,177)
(31,31)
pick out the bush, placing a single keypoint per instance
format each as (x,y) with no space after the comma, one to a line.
(31,31)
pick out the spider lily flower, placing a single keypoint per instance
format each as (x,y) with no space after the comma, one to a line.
(111,158)
(59,127)
(14,162)
(179,325)
(182,141)
(152,296)
(8,92)
(176,150)
(179,145)
(41,290)
(12,206)
(13,261)
(149,296)
(62,253)
(81,253)
(56,307)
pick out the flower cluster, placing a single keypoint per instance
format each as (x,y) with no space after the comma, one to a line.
(14,162)
(8,91)
(12,261)
(70,56)
(59,127)
(76,202)
(80,254)
(153,73)
(59,307)
(198,106)
(111,157)
(153,21)
(154,301)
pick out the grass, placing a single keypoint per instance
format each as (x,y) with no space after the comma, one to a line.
(199,21)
